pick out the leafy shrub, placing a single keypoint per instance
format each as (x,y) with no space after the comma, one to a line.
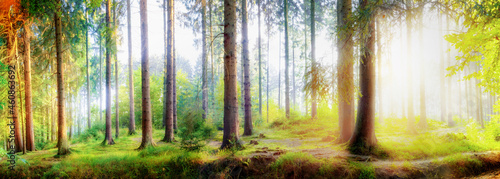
(96,132)
(194,131)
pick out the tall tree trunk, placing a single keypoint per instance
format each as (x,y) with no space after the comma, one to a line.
(279,70)
(169,128)
(267,70)
(174,106)
(204,62)
(467,84)
(260,60)
(231,133)
(441,68)
(313,62)
(108,137)
(147,125)
(345,71)
(423,111)
(363,139)
(131,127)
(379,71)
(411,113)
(165,69)
(62,139)
(117,87)
(100,77)
(448,80)
(52,111)
(30,135)
(248,127)
(287,61)
(18,139)
(89,122)
(212,57)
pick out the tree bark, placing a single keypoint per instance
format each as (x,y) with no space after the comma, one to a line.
(423,111)
(204,62)
(449,109)
(345,71)
(411,113)
(287,61)
(30,135)
(441,69)
(89,121)
(117,87)
(379,72)
(62,139)
(131,128)
(260,60)
(248,127)
(363,139)
(169,128)
(108,137)
(230,137)
(314,102)
(147,126)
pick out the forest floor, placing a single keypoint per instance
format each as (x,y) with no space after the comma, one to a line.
(283,149)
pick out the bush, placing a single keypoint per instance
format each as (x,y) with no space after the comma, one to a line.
(194,131)
(96,133)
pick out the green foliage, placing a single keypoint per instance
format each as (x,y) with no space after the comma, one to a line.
(96,133)
(193,130)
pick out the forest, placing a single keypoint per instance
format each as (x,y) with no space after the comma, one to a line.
(249,89)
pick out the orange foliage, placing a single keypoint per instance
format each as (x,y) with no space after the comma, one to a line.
(5,5)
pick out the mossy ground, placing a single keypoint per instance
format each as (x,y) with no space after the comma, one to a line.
(293,148)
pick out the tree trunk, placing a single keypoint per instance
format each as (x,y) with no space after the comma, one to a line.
(147,126)
(174,106)
(313,62)
(18,139)
(100,78)
(441,69)
(169,128)
(345,71)
(204,59)
(89,122)
(248,128)
(117,87)
(230,137)
(467,84)
(287,61)
(30,135)
(108,137)
(267,71)
(411,113)
(363,139)
(260,60)
(131,127)
(379,72)
(448,80)
(279,71)
(62,139)
(165,69)
(423,111)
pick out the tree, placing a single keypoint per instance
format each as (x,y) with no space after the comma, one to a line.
(260,60)
(204,62)
(363,139)
(131,127)
(423,112)
(30,135)
(117,121)
(345,81)
(89,122)
(230,137)
(147,125)
(108,137)
(287,61)
(314,102)
(169,120)
(379,70)
(411,114)
(246,70)
(62,139)
(441,69)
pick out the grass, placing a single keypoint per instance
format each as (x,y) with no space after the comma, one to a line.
(91,159)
